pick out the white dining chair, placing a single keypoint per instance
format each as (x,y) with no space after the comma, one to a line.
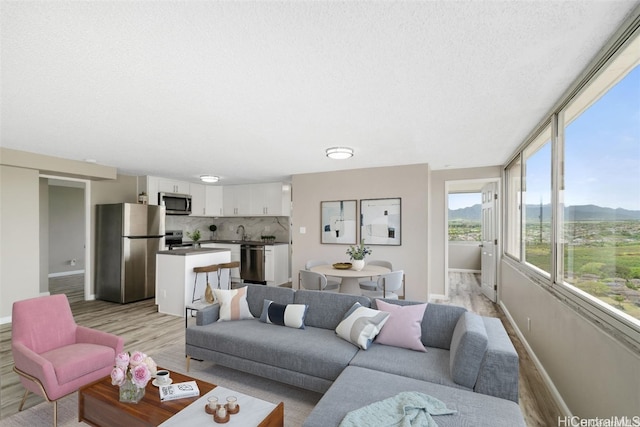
(387,286)
(315,281)
(371,285)
(331,283)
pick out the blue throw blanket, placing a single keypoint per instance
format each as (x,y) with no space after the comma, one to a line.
(406,409)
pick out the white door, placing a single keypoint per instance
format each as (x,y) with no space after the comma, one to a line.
(489,240)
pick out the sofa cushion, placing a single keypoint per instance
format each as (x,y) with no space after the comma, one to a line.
(77,360)
(403,328)
(361,325)
(256,294)
(233,304)
(291,315)
(468,345)
(312,351)
(432,366)
(438,322)
(357,387)
(326,309)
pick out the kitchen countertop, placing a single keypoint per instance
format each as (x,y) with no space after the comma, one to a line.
(243,242)
(192,251)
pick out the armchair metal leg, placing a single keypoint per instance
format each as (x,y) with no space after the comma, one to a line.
(44,394)
(24,399)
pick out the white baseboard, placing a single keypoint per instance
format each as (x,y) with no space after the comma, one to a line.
(543,373)
(5,320)
(434,297)
(463,270)
(66,273)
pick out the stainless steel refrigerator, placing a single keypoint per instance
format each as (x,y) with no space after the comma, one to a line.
(128,237)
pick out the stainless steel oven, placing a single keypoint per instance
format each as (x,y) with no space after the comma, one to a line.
(252,263)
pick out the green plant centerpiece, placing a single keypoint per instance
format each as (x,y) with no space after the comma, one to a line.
(195,236)
(357,255)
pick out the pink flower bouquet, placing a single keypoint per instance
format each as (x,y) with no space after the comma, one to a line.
(136,367)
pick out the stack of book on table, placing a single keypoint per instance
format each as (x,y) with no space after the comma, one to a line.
(178,391)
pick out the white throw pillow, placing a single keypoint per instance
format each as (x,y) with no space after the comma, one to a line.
(361,325)
(233,304)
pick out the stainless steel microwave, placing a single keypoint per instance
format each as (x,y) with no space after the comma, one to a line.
(175,204)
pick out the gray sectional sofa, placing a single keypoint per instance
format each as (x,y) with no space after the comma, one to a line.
(470,363)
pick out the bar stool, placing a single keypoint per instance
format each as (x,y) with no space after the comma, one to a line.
(198,303)
(226,266)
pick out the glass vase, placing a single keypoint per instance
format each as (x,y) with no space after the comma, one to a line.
(130,393)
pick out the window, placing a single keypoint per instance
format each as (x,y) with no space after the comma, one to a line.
(601,197)
(573,202)
(536,202)
(513,217)
(465,214)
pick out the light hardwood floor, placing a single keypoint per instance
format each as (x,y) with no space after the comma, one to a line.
(143,328)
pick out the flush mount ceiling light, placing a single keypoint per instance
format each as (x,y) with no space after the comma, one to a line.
(209,178)
(339,153)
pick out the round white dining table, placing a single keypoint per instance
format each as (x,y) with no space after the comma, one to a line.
(350,277)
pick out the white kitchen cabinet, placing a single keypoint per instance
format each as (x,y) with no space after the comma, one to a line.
(276,264)
(173,186)
(152,185)
(198,199)
(236,200)
(214,200)
(271,198)
(235,256)
(206,200)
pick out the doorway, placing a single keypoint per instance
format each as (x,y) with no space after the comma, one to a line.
(65,260)
(472,241)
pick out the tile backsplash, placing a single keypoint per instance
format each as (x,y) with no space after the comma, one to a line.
(278,226)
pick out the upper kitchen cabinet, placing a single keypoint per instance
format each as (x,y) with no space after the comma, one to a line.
(273,199)
(206,200)
(153,185)
(214,199)
(172,186)
(198,199)
(236,200)
(270,199)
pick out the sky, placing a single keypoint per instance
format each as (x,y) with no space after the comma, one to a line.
(602,153)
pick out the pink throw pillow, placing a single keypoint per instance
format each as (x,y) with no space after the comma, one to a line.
(403,328)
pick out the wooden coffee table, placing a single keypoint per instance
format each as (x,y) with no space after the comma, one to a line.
(99,405)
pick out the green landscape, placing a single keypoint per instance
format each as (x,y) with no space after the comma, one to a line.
(601,257)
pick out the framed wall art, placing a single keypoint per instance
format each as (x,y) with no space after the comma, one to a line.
(338,222)
(380,221)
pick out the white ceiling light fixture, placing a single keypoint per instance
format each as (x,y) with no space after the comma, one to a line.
(339,153)
(209,178)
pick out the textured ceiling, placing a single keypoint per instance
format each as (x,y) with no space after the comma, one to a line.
(255,91)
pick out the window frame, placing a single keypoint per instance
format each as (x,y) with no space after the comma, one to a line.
(618,324)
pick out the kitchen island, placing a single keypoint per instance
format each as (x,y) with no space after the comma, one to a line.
(175,278)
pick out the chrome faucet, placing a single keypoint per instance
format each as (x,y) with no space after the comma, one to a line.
(238,231)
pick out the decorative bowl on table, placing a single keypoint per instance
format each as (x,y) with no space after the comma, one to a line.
(342,265)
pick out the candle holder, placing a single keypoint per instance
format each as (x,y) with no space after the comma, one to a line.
(221,415)
(232,405)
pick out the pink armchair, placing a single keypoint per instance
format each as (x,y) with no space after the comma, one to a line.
(52,354)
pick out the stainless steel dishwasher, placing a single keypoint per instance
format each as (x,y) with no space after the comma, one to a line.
(252,263)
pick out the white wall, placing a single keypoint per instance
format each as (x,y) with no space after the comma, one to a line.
(19,237)
(21,263)
(594,373)
(66,229)
(464,256)
(409,182)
